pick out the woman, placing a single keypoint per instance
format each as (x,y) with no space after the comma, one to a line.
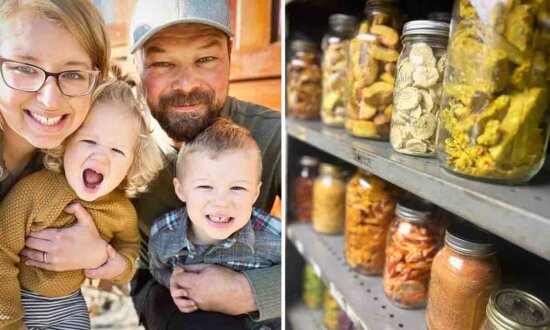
(52,55)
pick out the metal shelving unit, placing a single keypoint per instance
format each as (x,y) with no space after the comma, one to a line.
(362,297)
(519,214)
(304,318)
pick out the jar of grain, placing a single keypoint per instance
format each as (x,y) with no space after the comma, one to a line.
(329,193)
(303,188)
(464,275)
(511,309)
(370,208)
(314,288)
(413,241)
(331,312)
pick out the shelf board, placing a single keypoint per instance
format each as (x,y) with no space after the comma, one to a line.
(302,317)
(361,297)
(519,214)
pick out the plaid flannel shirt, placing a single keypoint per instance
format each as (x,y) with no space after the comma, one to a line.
(256,245)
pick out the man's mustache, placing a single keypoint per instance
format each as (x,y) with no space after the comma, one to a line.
(186,99)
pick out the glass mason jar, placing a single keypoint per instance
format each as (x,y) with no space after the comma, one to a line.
(370,208)
(373,54)
(329,194)
(303,189)
(313,288)
(465,273)
(335,60)
(304,81)
(331,312)
(494,116)
(417,89)
(511,309)
(414,238)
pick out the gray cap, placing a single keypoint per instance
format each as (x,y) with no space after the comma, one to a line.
(152,16)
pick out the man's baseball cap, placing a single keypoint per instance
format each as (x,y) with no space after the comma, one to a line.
(152,16)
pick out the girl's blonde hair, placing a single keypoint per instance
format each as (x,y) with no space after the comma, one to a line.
(79,17)
(147,160)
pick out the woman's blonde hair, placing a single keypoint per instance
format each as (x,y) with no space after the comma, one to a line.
(147,160)
(79,17)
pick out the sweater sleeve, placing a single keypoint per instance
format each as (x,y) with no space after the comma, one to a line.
(266,286)
(126,243)
(15,213)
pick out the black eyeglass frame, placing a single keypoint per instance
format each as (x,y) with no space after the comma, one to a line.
(49,74)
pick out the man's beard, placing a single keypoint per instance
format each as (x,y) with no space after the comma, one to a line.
(184,126)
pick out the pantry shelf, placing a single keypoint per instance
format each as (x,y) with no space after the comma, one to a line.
(362,297)
(519,214)
(302,317)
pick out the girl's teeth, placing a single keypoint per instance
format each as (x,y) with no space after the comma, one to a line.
(46,121)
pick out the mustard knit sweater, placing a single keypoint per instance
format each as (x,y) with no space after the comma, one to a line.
(36,202)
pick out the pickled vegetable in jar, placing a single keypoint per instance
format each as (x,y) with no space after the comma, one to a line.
(511,309)
(304,81)
(313,288)
(494,114)
(370,208)
(465,273)
(417,88)
(329,193)
(331,311)
(303,189)
(415,236)
(335,57)
(373,55)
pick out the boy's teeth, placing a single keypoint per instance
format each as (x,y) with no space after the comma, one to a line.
(219,219)
(46,121)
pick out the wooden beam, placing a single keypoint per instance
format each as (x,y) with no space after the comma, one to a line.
(254,64)
(253,26)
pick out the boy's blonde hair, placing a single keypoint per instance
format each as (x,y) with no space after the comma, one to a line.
(79,17)
(223,135)
(147,160)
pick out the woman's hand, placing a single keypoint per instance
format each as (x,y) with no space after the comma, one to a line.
(77,247)
(113,268)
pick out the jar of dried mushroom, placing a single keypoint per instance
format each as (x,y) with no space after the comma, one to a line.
(329,193)
(414,238)
(304,81)
(335,55)
(373,55)
(314,288)
(331,311)
(417,89)
(303,188)
(370,208)
(511,309)
(464,275)
(494,115)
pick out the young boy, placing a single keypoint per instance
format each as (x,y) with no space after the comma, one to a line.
(218,177)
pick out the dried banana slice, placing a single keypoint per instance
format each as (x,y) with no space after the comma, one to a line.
(441,64)
(378,94)
(424,127)
(405,76)
(427,102)
(416,146)
(407,99)
(400,118)
(366,111)
(425,77)
(383,54)
(396,138)
(416,113)
(422,55)
(386,35)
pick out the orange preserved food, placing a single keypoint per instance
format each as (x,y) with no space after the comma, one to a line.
(370,208)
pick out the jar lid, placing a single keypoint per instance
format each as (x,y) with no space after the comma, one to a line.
(303,45)
(416,209)
(327,168)
(465,238)
(426,27)
(308,161)
(341,19)
(511,309)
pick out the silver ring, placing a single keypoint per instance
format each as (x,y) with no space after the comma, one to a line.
(44,257)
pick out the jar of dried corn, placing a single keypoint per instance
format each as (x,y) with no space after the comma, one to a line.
(329,193)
